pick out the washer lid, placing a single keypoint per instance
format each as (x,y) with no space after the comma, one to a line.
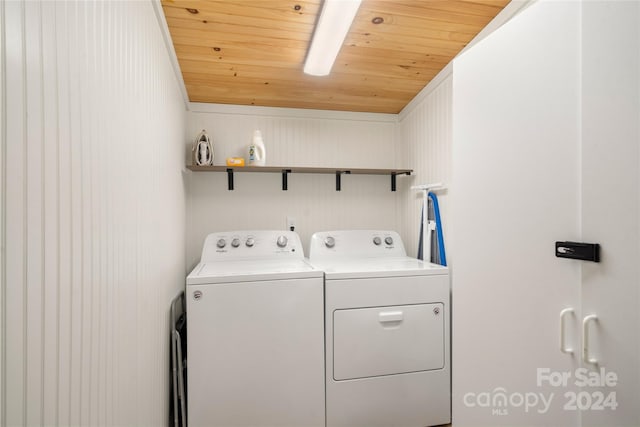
(251,271)
(353,268)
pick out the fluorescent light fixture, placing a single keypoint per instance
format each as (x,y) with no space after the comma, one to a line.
(335,19)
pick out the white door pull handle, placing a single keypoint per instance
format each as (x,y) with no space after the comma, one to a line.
(563,339)
(390,316)
(586,357)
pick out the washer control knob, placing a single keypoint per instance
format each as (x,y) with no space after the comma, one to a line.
(388,241)
(235,243)
(250,241)
(221,243)
(329,242)
(282,241)
(377,241)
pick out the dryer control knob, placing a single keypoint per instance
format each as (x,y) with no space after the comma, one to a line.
(282,241)
(235,243)
(388,240)
(329,242)
(221,243)
(377,241)
(250,242)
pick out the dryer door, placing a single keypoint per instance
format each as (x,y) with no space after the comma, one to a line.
(369,342)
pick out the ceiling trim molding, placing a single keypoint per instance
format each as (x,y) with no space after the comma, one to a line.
(252,110)
(168,42)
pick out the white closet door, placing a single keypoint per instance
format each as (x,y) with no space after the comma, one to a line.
(515,192)
(610,197)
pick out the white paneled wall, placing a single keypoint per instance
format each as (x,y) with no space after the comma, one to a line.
(93,128)
(292,138)
(424,131)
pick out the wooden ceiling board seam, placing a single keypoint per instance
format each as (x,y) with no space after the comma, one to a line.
(237,76)
(348,54)
(302,93)
(373,83)
(307,94)
(248,9)
(238,48)
(339,102)
(413,23)
(372,53)
(217,19)
(255,41)
(230,55)
(229,61)
(413,9)
(406,40)
(283,72)
(384,30)
(268,100)
(401,79)
(498,3)
(214,23)
(254,3)
(363,43)
(394,71)
(465,8)
(215,36)
(398,69)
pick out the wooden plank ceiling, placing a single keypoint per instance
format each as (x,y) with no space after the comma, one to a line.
(251,52)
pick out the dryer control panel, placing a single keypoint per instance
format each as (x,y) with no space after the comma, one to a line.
(356,243)
(237,245)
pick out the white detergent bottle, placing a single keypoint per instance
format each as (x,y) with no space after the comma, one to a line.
(257,152)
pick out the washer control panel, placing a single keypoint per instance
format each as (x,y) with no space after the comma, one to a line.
(251,244)
(356,243)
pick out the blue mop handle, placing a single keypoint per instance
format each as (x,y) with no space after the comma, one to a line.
(439,235)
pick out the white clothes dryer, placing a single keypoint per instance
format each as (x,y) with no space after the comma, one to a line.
(387,332)
(255,347)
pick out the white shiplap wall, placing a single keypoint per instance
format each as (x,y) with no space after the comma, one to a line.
(93,127)
(424,130)
(292,138)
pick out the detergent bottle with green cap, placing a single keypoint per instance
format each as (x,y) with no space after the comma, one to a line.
(257,152)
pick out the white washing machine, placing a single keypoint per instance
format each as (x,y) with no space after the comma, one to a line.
(387,332)
(255,348)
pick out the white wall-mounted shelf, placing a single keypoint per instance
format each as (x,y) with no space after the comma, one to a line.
(286,170)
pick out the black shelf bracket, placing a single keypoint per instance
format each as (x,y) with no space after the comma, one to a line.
(338,179)
(285,183)
(393,178)
(230,179)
